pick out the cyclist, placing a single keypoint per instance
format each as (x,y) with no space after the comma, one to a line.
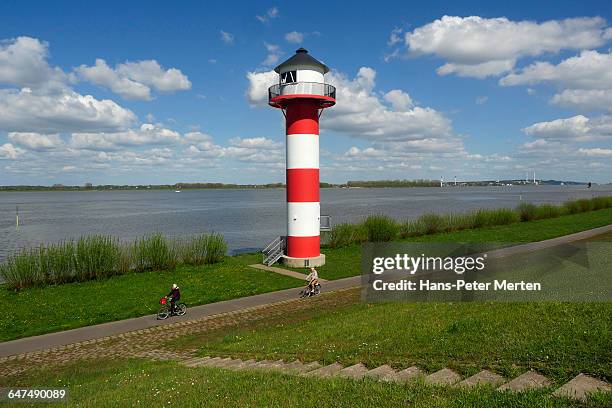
(312,279)
(174,295)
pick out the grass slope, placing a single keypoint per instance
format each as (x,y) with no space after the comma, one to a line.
(43,310)
(60,307)
(344,262)
(141,384)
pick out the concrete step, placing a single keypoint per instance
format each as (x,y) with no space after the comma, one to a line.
(406,375)
(526,381)
(326,371)
(445,376)
(310,367)
(268,364)
(294,367)
(581,386)
(222,362)
(484,377)
(383,372)
(232,364)
(197,362)
(356,372)
(241,365)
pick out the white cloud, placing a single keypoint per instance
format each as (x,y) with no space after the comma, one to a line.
(587,77)
(36,141)
(294,37)
(147,134)
(395,36)
(585,99)
(272,13)
(8,151)
(481,100)
(480,47)
(256,149)
(226,37)
(399,99)
(596,152)
(273,56)
(31,111)
(259,82)
(23,63)
(134,80)
(367,116)
(576,128)
(67,169)
(589,70)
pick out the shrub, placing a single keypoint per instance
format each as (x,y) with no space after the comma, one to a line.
(432,223)
(22,270)
(342,235)
(411,228)
(571,207)
(547,211)
(152,253)
(380,228)
(527,211)
(216,248)
(599,203)
(584,205)
(97,257)
(57,262)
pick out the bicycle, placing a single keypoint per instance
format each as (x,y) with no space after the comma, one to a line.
(307,292)
(164,312)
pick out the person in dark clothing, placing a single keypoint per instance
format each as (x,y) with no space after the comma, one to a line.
(174,295)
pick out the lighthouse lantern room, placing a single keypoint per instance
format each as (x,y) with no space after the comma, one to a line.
(301,94)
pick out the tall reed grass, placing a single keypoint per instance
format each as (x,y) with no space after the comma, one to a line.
(378,228)
(99,257)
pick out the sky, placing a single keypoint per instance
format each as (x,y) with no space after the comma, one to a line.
(165,92)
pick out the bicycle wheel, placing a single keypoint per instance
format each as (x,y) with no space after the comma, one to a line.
(181,309)
(163,313)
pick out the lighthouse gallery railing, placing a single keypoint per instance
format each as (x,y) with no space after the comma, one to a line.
(302,88)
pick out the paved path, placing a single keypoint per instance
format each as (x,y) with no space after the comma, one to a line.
(282,271)
(63,338)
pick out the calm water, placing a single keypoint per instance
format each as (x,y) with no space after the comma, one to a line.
(247,218)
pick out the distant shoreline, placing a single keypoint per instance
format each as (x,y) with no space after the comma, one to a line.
(271,186)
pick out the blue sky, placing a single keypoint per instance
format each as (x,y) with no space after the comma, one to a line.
(153,92)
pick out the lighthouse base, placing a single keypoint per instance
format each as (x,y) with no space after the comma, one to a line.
(304,262)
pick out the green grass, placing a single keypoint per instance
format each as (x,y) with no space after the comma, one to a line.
(161,384)
(380,228)
(346,261)
(559,340)
(100,257)
(60,307)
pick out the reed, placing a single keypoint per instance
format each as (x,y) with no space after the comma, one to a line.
(100,257)
(378,228)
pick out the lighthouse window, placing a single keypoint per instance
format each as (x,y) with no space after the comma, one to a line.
(288,77)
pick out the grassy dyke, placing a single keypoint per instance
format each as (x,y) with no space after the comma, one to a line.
(42,310)
(559,340)
(101,257)
(345,261)
(380,228)
(137,383)
(54,308)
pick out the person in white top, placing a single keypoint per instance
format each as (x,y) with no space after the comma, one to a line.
(312,279)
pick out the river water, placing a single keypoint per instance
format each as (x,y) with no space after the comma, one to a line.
(247,218)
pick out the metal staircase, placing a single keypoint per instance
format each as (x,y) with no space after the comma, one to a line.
(274,251)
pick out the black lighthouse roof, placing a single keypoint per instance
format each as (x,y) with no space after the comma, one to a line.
(302,57)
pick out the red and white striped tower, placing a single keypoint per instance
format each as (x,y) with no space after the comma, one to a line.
(302,94)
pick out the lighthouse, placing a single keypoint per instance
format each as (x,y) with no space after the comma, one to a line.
(302,94)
